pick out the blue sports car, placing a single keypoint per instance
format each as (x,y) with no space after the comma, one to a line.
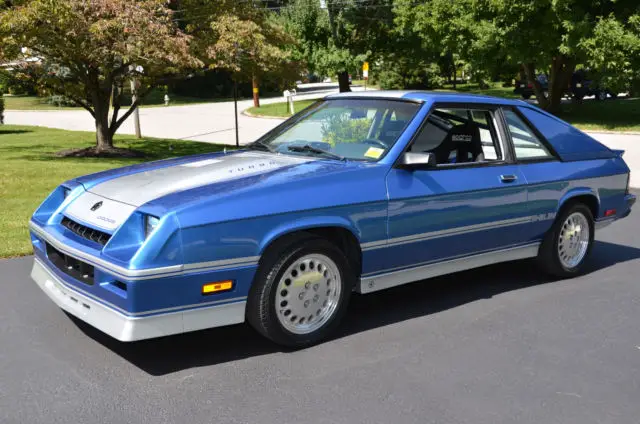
(359,192)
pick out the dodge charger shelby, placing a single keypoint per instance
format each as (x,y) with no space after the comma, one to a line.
(358,192)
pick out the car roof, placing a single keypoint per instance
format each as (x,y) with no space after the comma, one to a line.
(423,96)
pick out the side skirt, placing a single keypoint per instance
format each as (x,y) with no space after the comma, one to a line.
(383,281)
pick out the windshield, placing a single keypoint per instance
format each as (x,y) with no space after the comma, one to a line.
(357,129)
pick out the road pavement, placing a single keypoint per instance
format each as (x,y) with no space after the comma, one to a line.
(502,344)
(208,122)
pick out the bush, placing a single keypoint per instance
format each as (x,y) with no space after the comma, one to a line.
(405,74)
(17,83)
(60,101)
(345,129)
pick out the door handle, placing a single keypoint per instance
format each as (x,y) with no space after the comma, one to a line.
(508,178)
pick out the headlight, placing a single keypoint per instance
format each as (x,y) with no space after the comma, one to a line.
(150,224)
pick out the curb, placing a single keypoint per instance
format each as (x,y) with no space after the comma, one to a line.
(610,132)
(251,115)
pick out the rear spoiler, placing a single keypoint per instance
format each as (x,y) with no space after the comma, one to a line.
(618,153)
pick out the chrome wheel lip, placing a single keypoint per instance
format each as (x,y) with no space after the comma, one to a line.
(573,240)
(306,298)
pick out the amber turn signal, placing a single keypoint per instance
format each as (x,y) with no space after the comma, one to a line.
(217,287)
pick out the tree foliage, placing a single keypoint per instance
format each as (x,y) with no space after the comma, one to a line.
(89,49)
(547,36)
(613,50)
(241,37)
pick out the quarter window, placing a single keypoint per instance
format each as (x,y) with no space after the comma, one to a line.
(526,144)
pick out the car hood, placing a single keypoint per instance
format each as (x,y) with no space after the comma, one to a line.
(136,189)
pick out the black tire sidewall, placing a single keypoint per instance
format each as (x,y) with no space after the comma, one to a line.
(270,277)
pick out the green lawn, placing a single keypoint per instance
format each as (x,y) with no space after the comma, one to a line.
(495,89)
(622,114)
(29,103)
(280,109)
(154,99)
(29,170)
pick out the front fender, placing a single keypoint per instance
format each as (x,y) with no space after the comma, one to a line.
(305,224)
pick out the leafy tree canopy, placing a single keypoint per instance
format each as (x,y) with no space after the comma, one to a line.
(86,48)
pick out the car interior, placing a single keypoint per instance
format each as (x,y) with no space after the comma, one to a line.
(459,136)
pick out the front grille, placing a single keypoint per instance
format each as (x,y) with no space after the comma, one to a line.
(85,232)
(74,268)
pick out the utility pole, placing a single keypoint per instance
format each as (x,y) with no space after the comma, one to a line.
(136,113)
(235,108)
(134,97)
(235,93)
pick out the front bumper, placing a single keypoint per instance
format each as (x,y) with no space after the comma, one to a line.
(130,328)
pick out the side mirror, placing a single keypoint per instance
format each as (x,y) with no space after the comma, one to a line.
(417,160)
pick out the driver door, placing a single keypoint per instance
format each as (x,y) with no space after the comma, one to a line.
(464,205)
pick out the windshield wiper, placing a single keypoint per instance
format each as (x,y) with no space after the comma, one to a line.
(256,145)
(311,149)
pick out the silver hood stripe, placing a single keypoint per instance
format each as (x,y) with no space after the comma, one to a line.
(143,187)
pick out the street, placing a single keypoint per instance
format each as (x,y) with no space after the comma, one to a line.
(208,122)
(501,344)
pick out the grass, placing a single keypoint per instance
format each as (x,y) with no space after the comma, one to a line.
(29,103)
(279,109)
(29,170)
(494,89)
(621,114)
(154,99)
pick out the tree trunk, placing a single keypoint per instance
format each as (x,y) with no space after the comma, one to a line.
(343,81)
(530,71)
(104,138)
(562,68)
(256,91)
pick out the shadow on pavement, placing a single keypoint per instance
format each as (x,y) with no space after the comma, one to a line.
(215,346)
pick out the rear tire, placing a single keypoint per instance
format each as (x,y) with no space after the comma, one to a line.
(567,245)
(300,292)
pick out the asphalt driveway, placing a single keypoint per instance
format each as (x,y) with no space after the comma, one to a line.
(502,344)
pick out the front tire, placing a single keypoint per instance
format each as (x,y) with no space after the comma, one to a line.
(300,292)
(567,245)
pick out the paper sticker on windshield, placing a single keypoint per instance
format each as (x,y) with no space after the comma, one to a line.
(374,152)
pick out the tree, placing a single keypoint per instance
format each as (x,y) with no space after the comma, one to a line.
(613,51)
(89,49)
(239,36)
(249,46)
(308,23)
(548,36)
(545,36)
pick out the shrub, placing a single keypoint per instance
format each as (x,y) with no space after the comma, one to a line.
(58,100)
(345,129)
(407,74)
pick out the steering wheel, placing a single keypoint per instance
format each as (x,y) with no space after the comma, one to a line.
(375,142)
